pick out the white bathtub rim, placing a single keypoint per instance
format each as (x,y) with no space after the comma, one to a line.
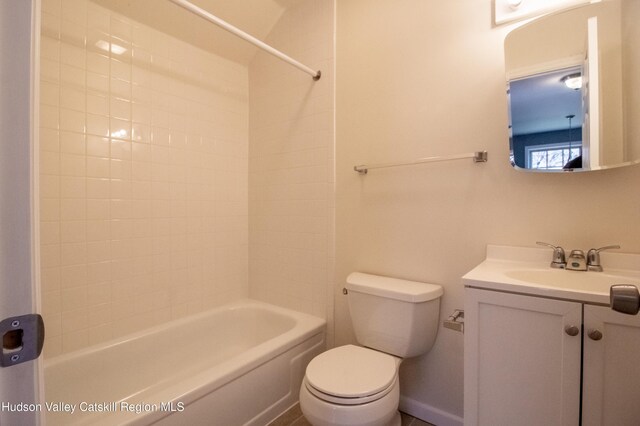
(238,304)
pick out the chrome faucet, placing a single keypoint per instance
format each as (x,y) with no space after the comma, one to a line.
(593,258)
(558,260)
(576,261)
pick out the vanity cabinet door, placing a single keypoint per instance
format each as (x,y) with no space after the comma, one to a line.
(611,382)
(522,360)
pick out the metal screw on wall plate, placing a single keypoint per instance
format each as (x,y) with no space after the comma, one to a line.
(15,323)
(14,358)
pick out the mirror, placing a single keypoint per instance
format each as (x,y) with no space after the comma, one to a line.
(573,89)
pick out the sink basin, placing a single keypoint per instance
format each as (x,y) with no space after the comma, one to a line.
(571,280)
(525,270)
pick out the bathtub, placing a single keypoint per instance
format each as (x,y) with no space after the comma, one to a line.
(240,364)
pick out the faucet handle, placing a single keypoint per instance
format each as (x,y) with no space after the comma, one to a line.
(540,243)
(559,260)
(604,248)
(593,257)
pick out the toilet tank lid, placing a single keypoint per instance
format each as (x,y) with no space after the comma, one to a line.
(393,288)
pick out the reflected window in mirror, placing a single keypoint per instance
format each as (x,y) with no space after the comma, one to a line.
(554,157)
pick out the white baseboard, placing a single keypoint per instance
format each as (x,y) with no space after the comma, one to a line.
(428,413)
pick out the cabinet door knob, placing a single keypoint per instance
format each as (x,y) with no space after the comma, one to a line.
(572,330)
(595,334)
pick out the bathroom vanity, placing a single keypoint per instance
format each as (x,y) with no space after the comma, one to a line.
(542,345)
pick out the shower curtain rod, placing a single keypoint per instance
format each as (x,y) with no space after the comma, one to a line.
(247,37)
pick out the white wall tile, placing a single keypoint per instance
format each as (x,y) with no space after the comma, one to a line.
(290,189)
(120,145)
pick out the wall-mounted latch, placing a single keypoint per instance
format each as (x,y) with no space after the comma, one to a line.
(625,298)
(22,339)
(455,321)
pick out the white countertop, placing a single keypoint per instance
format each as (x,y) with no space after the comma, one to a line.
(526,270)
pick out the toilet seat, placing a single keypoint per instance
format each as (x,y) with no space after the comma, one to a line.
(351,375)
(347,401)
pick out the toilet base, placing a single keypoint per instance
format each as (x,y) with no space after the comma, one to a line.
(382,412)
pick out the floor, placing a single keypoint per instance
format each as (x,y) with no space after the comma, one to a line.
(294,417)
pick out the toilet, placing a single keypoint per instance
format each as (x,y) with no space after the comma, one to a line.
(350,385)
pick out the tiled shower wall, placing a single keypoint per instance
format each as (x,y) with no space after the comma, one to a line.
(291,165)
(144,152)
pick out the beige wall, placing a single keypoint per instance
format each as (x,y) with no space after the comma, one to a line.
(143,177)
(631,76)
(421,78)
(532,49)
(291,157)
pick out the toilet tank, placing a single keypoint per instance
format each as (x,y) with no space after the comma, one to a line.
(395,316)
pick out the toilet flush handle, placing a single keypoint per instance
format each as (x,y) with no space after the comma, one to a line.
(455,321)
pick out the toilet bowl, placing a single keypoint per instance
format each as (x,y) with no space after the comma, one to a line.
(351,385)
(359,385)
